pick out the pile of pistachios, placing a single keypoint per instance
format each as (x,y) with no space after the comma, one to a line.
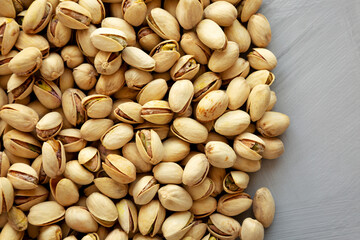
(133,119)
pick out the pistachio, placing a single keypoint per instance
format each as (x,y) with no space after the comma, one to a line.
(157,111)
(77,173)
(247,165)
(216,40)
(202,190)
(4,62)
(206,83)
(203,208)
(48,93)
(26,62)
(119,168)
(221,12)
(177,225)
(197,231)
(196,170)
(21,144)
(220,154)
(90,158)
(22,176)
(175,198)
(102,209)
(117,136)
(134,12)
(148,39)
(189,13)
(9,31)
(129,112)
(19,117)
(72,139)
(25,199)
(175,149)
(50,232)
(249,146)
(30,40)
(165,55)
(240,68)
(85,76)
(212,106)
(149,146)
(252,230)
(97,105)
(127,216)
(248,8)
(4,164)
(96,9)
(258,101)
(264,206)
(259,30)
(137,79)
(185,68)
(123,25)
(238,91)
(80,219)
(144,189)
(49,125)
(91,236)
(46,213)
(7,194)
(192,45)
(8,232)
(223,60)
(71,103)
(52,67)
(232,123)
(64,191)
(180,96)
(57,33)
(108,39)
(170,6)
(189,130)
(262,59)
(273,124)
(131,152)
(72,56)
(9,9)
(154,90)
(53,157)
(17,219)
(117,234)
(151,218)
(107,63)
(137,58)
(37,16)
(168,173)
(163,24)
(223,227)
(72,15)
(84,42)
(110,84)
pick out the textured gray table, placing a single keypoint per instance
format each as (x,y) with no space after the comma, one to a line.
(316,182)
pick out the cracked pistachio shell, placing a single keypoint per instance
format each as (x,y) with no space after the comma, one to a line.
(185,68)
(107,63)
(154,90)
(137,79)
(222,60)
(21,144)
(17,219)
(110,187)
(119,168)
(236,32)
(206,83)
(189,130)
(211,34)
(80,219)
(246,165)
(26,62)
(102,209)
(189,13)
(131,152)
(110,84)
(8,232)
(240,68)
(108,39)
(37,16)
(25,199)
(71,104)
(273,124)
(144,189)
(96,9)
(49,125)
(84,42)
(163,24)
(7,194)
(232,123)
(161,130)
(85,76)
(175,149)
(117,136)
(37,164)
(93,129)
(180,96)
(238,91)
(192,45)
(134,11)
(249,146)
(262,59)
(72,139)
(8,9)
(91,236)
(175,198)
(147,38)
(196,170)
(177,225)
(213,136)
(4,164)
(157,111)
(252,229)
(203,208)
(258,101)
(126,93)
(64,191)
(53,157)
(259,30)
(223,227)
(234,204)
(139,59)
(264,206)
(170,6)
(220,154)
(19,88)
(52,67)
(221,12)
(19,117)
(235,182)
(72,56)
(9,30)
(128,217)
(31,40)
(122,25)
(89,157)
(73,16)
(46,213)
(57,33)
(260,77)
(151,218)
(165,55)
(16,159)
(168,173)
(247,8)
(129,112)
(4,62)
(48,93)
(97,105)
(212,106)
(197,231)
(149,146)
(274,147)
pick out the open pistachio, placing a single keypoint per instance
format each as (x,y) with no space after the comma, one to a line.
(249,146)
(108,39)
(202,190)
(273,124)
(252,229)
(138,59)
(102,209)
(93,129)
(177,225)
(129,112)
(19,117)
(216,40)
(7,194)
(240,68)
(206,83)
(4,62)
(144,189)
(196,170)
(258,101)
(8,232)
(117,136)
(72,139)
(53,156)
(180,96)
(127,216)
(151,218)
(72,15)
(26,62)
(71,104)
(89,157)
(185,68)
(21,144)
(197,231)
(123,25)
(33,40)
(9,31)
(192,45)
(175,198)
(46,213)
(9,9)
(17,219)
(274,147)
(221,12)
(49,125)
(57,33)
(97,105)
(64,191)
(262,59)
(50,232)
(223,60)
(164,24)
(223,227)
(22,176)
(189,130)
(148,39)
(91,236)
(157,111)
(264,206)
(235,181)
(134,12)
(119,168)
(204,207)
(189,13)
(234,204)
(247,8)
(84,43)
(161,130)
(149,146)
(37,16)
(154,90)
(165,55)
(48,93)
(96,9)
(25,199)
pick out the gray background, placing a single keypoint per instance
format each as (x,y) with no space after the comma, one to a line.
(316,183)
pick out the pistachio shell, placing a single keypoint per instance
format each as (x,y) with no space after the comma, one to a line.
(139,59)
(107,63)
(80,219)
(64,191)
(110,84)
(168,173)
(52,67)
(102,209)
(262,59)
(128,217)
(249,146)
(26,62)
(131,152)
(72,15)
(212,105)
(175,149)
(165,55)
(273,124)
(72,139)
(119,168)
(144,189)
(151,218)
(137,79)
(25,199)
(238,91)
(203,208)
(223,227)
(21,144)
(10,31)
(264,206)
(247,165)
(221,12)
(216,40)
(189,13)
(97,105)
(238,33)
(149,146)
(157,111)
(223,60)
(258,101)
(175,198)
(19,117)
(177,225)
(117,136)
(201,191)
(259,30)
(48,93)
(232,123)
(148,39)
(185,68)
(274,148)
(93,129)
(110,187)
(189,130)
(164,24)
(192,45)
(220,154)
(154,90)
(196,170)
(240,68)
(129,112)
(7,191)
(248,8)
(134,12)
(122,25)
(206,83)
(4,62)
(108,39)
(90,158)
(96,9)
(252,229)
(37,16)
(46,213)
(30,40)
(57,33)
(180,95)
(234,204)
(84,42)
(49,125)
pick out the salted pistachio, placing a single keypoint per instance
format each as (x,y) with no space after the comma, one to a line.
(91,236)
(33,40)
(137,58)
(220,154)
(189,130)
(72,15)
(249,146)
(168,173)
(84,43)
(212,105)
(148,39)
(93,129)
(21,144)
(19,116)
(260,77)
(202,190)
(49,125)
(131,153)
(262,59)
(40,109)
(129,112)
(52,67)
(274,147)
(9,31)
(110,84)
(26,62)
(17,219)
(37,165)
(96,9)
(180,96)
(57,33)
(232,123)
(8,232)
(175,198)
(234,204)
(246,165)
(259,30)
(149,145)
(107,63)
(4,62)
(206,83)
(216,40)
(264,206)
(123,25)
(77,173)
(197,231)
(137,79)
(64,191)
(196,170)
(48,93)
(222,60)
(251,229)
(223,227)
(97,105)
(192,45)
(9,9)
(110,187)
(127,215)
(80,219)
(50,232)
(89,157)
(189,13)
(72,56)
(144,189)
(236,32)
(71,103)
(170,6)
(126,93)
(235,182)
(37,16)
(204,207)
(53,157)
(163,24)
(151,217)
(240,68)
(46,213)
(212,136)
(221,12)
(134,11)
(154,90)
(238,91)
(247,8)
(102,209)
(7,194)
(25,199)
(85,76)
(4,164)
(119,168)
(165,55)
(177,225)
(108,39)
(175,149)
(157,111)
(258,101)
(161,130)
(117,136)
(72,139)
(273,124)
(185,68)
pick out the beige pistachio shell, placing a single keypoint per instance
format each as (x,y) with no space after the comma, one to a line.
(49,125)
(96,9)
(175,198)
(196,170)
(72,56)
(37,16)
(262,59)
(138,58)
(90,158)
(168,173)
(260,77)
(80,219)
(108,39)
(175,149)
(97,105)
(216,40)
(72,15)
(165,55)
(144,189)
(30,40)
(122,25)
(117,136)
(273,100)
(264,206)
(19,116)
(201,191)
(235,182)
(129,112)
(21,144)
(273,124)
(149,145)
(134,12)
(221,12)
(212,106)
(147,38)
(4,62)
(48,93)
(206,83)
(252,229)
(203,208)
(151,218)
(238,33)
(192,45)
(110,84)
(17,219)
(131,152)
(119,168)
(137,79)
(5,164)
(189,13)
(163,24)
(128,216)
(234,204)
(110,187)
(259,30)
(223,227)
(52,67)
(71,104)
(197,231)
(107,63)
(274,148)
(232,123)
(46,213)
(93,129)
(154,90)
(240,68)
(248,8)
(22,176)
(64,191)
(84,42)
(249,146)
(71,139)
(102,209)
(53,166)
(57,33)
(258,101)
(247,165)
(10,33)
(25,199)
(223,60)
(238,91)
(189,130)
(220,154)
(9,9)
(7,191)
(161,130)
(157,111)
(177,225)
(185,68)
(180,95)
(77,173)
(26,62)
(8,232)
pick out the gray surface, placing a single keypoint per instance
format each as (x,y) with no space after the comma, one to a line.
(316,182)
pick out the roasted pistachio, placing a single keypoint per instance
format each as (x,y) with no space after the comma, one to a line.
(46,213)
(273,124)
(123,25)
(72,139)
(189,13)
(252,229)
(119,168)
(26,62)
(57,33)
(96,9)
(236,32)
(196,170)
(134,11)
(8,232)
(222,12)
(137,58)
(37,16)
(108,39)
(102,209)
(64,191)
(21,144)
(189,130)
(48,93)
(204,207)
(177,225)
(110,84)
(223,227)
(175,198)
(154,90)
(165,55)
(72,15)
(52,67)
(206,83)
(148,39)
(4,62)
(117,136)
(216,40)
(19,117)
(175,149)
(264,206)
(249,146)
(129,112)
(31,40)
(71,103)
(7,194)
(107,63)
(247,8)
(9,31)
(17,219)
(164,24)
(262,59)
(151,218)
(258,101)
(240,68)
(72,56)
(54,158)
(49,125)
